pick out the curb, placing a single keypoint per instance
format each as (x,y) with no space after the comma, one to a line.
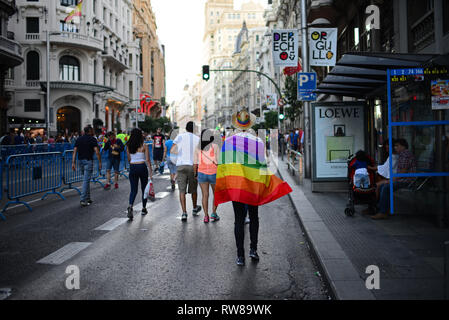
(342,277)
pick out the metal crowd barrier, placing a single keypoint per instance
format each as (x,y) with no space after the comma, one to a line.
(295,162)
(29,174)
(69,177)
(9,150)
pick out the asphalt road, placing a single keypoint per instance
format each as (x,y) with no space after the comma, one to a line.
(155,256)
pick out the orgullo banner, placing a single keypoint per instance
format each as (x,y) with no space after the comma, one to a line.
(323,46)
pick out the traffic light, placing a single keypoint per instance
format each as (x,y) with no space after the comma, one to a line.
(206,75)
(281,116)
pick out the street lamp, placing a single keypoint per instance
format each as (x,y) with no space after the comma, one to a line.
(49,33)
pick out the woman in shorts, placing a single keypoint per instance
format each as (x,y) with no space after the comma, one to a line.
(205,168)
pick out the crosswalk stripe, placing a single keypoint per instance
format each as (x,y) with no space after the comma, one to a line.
(65,253)
(111,224)
(162,195)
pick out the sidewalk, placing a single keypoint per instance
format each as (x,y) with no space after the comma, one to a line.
(408,250)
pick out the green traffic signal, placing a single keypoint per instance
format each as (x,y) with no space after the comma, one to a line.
(206,74)
(281,117)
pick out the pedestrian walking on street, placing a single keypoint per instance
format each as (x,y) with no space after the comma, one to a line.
(171,163)
(205,168)
(139,164)
(85,147)
(159,149)
(243,178)
(184,147)
(115,147)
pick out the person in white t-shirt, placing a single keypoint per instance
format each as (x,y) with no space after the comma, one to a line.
(184,146)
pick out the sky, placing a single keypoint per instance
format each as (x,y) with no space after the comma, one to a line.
(180,27)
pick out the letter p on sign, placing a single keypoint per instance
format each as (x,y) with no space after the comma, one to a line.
(303,78)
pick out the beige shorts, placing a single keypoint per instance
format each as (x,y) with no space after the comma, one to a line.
(186,177)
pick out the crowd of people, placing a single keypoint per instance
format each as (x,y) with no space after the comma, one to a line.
(21,137)
(192,160)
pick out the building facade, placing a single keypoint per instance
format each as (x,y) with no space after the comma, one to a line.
(10,57)
(89,66)
(223,25)
(152,59)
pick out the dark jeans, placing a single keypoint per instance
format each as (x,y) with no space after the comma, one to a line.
(384,195)
(240,210)
(136,172)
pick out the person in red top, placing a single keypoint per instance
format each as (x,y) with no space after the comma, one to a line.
(159,148)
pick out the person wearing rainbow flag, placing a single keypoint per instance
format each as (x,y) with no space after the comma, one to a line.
(243,177)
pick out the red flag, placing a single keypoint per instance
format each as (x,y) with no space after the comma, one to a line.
(289,71)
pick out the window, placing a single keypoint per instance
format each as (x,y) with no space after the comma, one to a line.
(32,66)
(32,25)
(94,6)
(68,27)
(95,71)
(68,3)
(32,105)
(69,69)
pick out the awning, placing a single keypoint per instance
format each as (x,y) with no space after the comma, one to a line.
(76,86)
(364,74)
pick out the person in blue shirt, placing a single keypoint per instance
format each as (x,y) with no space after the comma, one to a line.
(171,163)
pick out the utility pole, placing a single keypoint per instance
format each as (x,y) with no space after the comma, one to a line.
(305,66)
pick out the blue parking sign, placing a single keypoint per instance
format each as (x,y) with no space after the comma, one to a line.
(306,86)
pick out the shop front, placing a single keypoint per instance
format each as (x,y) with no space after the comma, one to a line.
(417,102)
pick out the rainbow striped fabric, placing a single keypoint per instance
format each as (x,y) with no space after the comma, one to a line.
(74,13)
(243,175)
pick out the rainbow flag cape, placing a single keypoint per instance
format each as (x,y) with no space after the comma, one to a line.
(75,12)
(243,175)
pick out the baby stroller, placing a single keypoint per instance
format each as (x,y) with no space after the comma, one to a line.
(360,195)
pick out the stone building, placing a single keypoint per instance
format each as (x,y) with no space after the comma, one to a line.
(92,74)
(152,59)
(10,57)
(223,24)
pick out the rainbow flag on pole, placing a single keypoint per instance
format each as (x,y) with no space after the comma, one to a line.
(243,175)
(75,14)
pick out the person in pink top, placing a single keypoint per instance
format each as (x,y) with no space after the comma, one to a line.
(205,169)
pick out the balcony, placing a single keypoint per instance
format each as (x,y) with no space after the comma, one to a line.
(78,40)
(32,83)
(32,36)
(10,52)
(115,59)
(423,32)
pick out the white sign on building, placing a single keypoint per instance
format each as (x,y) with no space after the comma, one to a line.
(285,48)
(323,46)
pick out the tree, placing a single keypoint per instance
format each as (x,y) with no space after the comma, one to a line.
(150,124)
(291,96)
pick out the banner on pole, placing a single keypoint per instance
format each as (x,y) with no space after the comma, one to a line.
(285,48)
(272,101)
(323,46)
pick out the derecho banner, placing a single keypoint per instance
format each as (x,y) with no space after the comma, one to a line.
(338,132)
(285,48)
(323,46)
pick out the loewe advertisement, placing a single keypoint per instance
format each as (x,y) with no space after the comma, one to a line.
(338,133)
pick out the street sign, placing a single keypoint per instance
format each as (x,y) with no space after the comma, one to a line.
(285,48)
(306,86)
(141,117)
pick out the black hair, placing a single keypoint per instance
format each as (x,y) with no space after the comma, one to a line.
(189,126)
(135,141)
(402,142)
(87,129)
(362,156)
(207,137)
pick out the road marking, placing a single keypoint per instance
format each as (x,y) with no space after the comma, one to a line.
(65,253)
(166,177)
(162,195)
(112,224)
(169,188)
